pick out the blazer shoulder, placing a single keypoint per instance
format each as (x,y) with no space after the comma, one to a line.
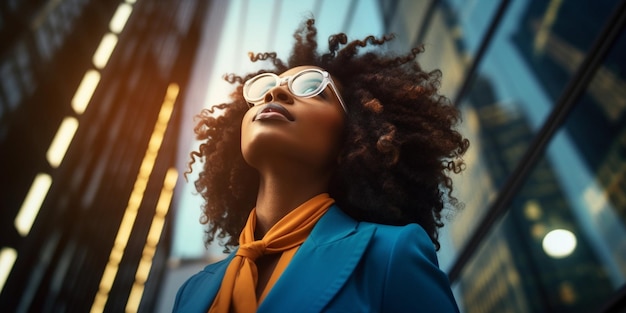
(392,232)
(413,279)
(199,290)
(399,238)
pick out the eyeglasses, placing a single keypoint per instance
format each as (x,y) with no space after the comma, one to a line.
(304,84)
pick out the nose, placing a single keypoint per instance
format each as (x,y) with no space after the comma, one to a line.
(279,94)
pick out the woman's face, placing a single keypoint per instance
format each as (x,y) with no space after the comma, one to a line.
(286,130)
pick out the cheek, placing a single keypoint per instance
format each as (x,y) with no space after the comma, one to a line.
(246,136)
(325,134)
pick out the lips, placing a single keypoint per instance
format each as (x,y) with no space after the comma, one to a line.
(273,111)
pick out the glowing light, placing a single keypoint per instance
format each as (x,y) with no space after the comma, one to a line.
(104,51)
(62,139)
(559,243)
(85,91)
(532,210)
(132,207)
(154,234)
(7,259)
(32,203)
(120,17)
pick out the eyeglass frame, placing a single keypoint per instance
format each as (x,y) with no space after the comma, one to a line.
(327,80)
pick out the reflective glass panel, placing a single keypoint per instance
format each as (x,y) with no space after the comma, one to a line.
(452,38)
(562,245)
(534,53)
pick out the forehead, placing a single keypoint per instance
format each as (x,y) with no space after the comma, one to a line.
(297,69)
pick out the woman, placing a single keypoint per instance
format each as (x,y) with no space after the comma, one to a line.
(329,173)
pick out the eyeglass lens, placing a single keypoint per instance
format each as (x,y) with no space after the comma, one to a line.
(260,86)
(308,83)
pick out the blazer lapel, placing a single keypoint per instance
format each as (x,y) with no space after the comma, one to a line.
(321,266)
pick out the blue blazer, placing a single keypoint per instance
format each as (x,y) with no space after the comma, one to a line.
(344,266)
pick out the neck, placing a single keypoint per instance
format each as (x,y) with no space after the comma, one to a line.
(280,193)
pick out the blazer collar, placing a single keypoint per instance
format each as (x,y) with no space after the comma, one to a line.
(321,266)
(316,273)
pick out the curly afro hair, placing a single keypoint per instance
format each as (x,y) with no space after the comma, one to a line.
(399,148)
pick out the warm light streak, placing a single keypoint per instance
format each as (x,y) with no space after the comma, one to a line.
(161,209)
(7,259)
(134,201)
(109,276)
(120,17)
(104,51)
(143,270)
(154,234)
(155,231)
(62,139)
(126,226)
(32,203)
(85,91)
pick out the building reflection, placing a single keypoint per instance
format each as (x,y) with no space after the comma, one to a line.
(573,186)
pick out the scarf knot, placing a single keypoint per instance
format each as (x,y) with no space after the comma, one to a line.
(252,250)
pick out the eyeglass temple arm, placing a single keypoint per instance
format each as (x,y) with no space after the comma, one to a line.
(336,91)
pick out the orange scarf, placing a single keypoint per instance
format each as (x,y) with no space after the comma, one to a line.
(238,290)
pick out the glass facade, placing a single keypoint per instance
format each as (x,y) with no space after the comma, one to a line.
(90,94)
(542,88)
